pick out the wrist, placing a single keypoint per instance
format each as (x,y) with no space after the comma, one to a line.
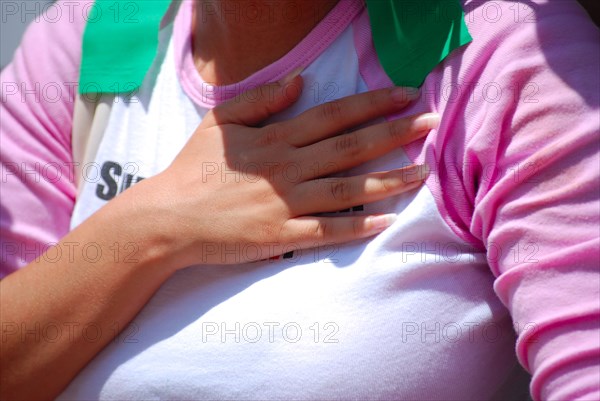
(133,229)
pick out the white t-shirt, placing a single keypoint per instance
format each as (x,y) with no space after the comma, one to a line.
(506,222)
(372,319)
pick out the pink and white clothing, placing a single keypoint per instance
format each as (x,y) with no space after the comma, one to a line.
(504,235)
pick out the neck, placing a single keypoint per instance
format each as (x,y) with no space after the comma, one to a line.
(232,39)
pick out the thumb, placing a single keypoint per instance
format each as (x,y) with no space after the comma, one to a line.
(257,104)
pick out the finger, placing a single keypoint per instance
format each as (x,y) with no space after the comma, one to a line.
(310,232)
(333,117)
(354,148)
(337,193)
(257,104)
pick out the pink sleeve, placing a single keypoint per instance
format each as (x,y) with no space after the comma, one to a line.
(539,217)
(38,90)
(531,168)
(516,172)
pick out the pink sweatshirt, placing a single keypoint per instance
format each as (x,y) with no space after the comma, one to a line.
(515,160)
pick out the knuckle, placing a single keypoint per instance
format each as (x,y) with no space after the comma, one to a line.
(375,99)
(347,144)
(287,234)
(357,228)
(262,99)
(319,230)
(385,185)
(271,135)
(332,110)
(388,182)
(396,129)
(341,190)
(263,93)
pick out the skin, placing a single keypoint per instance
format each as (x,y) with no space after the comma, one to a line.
(172,231)
(257,31)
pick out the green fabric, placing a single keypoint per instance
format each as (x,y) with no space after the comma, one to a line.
(413,36)
(119,44)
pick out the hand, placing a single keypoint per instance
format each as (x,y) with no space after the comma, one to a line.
(238,192)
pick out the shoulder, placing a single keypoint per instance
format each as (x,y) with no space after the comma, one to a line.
(38,95)
(42,77)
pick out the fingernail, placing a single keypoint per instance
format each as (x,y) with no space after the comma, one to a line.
(404,94)
(426,122)
(290,77)
(381,222)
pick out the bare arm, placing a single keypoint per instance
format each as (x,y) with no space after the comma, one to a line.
(169,228)
(86,297)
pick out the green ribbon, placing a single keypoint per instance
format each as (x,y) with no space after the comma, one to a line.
(119,44)
(411,38)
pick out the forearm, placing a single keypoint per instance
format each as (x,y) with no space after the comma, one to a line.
(99,290)
(169,218)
